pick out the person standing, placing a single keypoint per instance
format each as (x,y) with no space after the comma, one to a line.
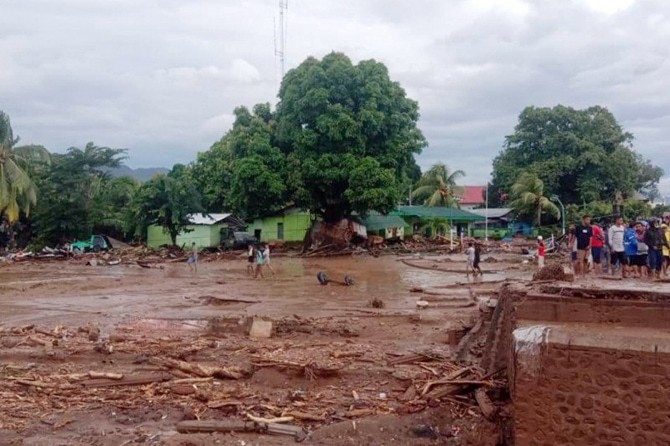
(193,259)
(597,244)
(267,258)
(615,240)
(655,239)
(630,249)
(470,265)
(666,249)
(642,258)
(478,258)
(260,260)
(583,235)
(250,259)
(541,252)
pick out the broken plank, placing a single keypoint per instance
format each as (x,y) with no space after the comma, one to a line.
(447,380)
(128,380)
(223,403)
(206,426)
(304,416)
(104,375)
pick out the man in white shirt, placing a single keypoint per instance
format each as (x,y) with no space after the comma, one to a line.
(615,236)
(470,266)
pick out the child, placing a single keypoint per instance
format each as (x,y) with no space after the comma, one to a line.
(541,251)
(470,252)
(267,259)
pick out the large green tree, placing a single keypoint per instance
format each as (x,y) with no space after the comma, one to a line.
(528,198)
(70,190)
(18,192)
(165,200)
(335,121)
(580,155)
(437,186)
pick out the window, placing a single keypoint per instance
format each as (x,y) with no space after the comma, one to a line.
(280,231)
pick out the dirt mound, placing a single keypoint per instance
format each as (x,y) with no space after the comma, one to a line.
(551,272)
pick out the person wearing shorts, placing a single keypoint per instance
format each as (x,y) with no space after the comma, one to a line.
(641,259)
(597,244)
(470,265)
(615,239)
(583,235)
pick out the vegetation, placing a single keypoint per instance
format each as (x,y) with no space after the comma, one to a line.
(437,187)
(528,198)
(18,192)
(165,200)
(580,155)
(341,140)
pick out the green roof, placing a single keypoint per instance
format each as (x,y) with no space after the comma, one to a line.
(375,221)
(451,214)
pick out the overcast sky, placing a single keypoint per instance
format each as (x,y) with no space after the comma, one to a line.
(161,77)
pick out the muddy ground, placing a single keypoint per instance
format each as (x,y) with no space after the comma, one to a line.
(334,364)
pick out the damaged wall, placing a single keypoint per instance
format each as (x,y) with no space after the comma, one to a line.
(584,370)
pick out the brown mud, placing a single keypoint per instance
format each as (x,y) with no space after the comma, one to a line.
(175,346)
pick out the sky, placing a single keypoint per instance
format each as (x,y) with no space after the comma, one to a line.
(162,77)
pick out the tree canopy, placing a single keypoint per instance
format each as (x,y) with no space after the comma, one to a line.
(437,187)
(528,198)
(580,155)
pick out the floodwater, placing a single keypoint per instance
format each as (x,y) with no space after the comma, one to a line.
(62,292)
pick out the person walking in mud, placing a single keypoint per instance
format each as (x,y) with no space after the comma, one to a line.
(470,261)
(475,264)
(251,254)
(260,261)
(266,255)
(541,252)
(193,259)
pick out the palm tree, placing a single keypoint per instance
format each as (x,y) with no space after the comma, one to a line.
(437,187)
(528,197)
(17,190)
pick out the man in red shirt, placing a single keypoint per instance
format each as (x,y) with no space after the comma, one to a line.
(597,243)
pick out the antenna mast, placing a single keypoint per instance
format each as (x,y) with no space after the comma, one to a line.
(280,44)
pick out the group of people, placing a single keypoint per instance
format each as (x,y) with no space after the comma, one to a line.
(637,249)
(258,257)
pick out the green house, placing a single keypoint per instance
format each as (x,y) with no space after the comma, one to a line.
(206,230)
(437,219)
(289,225)
(387,226)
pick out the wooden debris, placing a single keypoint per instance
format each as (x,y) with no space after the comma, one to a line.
(489,410)
(105,375)
(128,380)
(204,371)
(223,403)
(304,416)
(269,420)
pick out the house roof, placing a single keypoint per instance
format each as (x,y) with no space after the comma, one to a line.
(376,221)
(492,212)
(472,195)
(452,214)
(206,219)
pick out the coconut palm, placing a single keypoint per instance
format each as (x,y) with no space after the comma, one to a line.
(528,197)
(17,190)
(437,187)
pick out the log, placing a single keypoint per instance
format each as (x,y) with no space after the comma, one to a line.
(304,416)
(204,371)
(275,420)
(104,375)
(207,426)
(489,410)
(128,380)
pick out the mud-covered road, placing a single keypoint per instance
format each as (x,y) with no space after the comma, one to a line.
(326,364)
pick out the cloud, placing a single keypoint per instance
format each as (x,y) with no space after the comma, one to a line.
(162,78)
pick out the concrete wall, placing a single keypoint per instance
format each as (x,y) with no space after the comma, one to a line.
(584,370)
(568,395)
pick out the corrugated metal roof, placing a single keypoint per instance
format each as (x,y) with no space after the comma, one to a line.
(492,212)
(472,195)
(376,222)
(206,219)
(452,214)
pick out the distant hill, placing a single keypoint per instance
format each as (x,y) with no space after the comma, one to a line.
(141,174)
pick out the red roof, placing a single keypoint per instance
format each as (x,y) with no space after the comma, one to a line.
(473,195)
